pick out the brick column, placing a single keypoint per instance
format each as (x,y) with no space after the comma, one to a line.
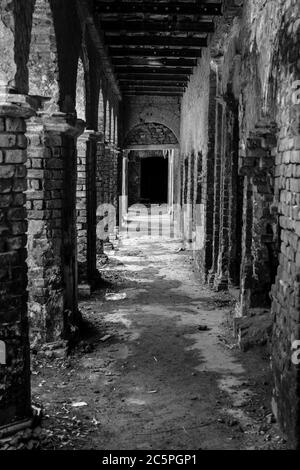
(51,199)
(221,277)
(86,209)
(228,196)
(100,154)
(14,363)
(260,253)
(217,190)
(115,190)
(124,203)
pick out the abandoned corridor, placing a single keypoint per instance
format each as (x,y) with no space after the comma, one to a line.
(158,367)
(111,111)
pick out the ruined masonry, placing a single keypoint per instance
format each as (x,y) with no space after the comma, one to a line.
(195,106)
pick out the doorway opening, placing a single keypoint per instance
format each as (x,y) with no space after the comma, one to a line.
(154,180)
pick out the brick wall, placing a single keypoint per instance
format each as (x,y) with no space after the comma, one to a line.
(197,150)
(15,374)
(52,232)
(107,186)
(151,133)
(257,54)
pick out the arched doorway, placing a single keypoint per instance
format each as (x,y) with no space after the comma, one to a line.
(150,149)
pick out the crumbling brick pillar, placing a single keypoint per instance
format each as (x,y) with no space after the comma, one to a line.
(86,206)
(260,249)
(100,156)
(217,189)
(124,200)
(208,181)
(188,209)
(51,205)
(107,188)
(221,281)
(14,363)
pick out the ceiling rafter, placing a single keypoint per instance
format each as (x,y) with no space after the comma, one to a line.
(154,62)
(158,26)
(153,76)
(156,41)
(148,52)
(129,70)
(154,45)
(163,8)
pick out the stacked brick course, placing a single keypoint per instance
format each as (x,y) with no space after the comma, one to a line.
(86,205)
(255,221)
(108,188)
(51,233)
(15,372)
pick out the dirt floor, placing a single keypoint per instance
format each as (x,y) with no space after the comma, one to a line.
(158,368)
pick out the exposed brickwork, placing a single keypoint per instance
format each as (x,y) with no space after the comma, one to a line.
(150,134)
(261,251)
(286,307)
(15,374)
(198,106)
(145,109)
(51,243)
(256,210)
(86,205)
(107,184)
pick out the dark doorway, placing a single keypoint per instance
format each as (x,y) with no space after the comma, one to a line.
(154,180)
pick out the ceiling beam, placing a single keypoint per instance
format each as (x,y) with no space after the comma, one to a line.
(154,62)
(162,41)
(163,8)
(128,70)
(153,76)
(161,26)
(152,83)
(148,52)
(152,93)
(153,89)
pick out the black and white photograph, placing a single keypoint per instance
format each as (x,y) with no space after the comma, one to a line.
(149,230)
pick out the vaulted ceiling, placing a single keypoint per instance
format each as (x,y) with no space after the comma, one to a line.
(154,45)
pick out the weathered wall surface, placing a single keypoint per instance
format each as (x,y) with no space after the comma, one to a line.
(269,157)
(256,51)
(194,110)
(197,158)
(150,133)
(14,109)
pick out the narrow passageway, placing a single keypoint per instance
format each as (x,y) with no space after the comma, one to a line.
(157,368)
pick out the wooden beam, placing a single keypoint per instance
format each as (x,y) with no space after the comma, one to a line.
(156,88)
(153,76)
(153,70)
(158,26)
(163,8)
(152,93)
(148,52)
(163,41)
(152,83)
(151,62)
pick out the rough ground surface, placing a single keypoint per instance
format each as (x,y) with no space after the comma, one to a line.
(169,375)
